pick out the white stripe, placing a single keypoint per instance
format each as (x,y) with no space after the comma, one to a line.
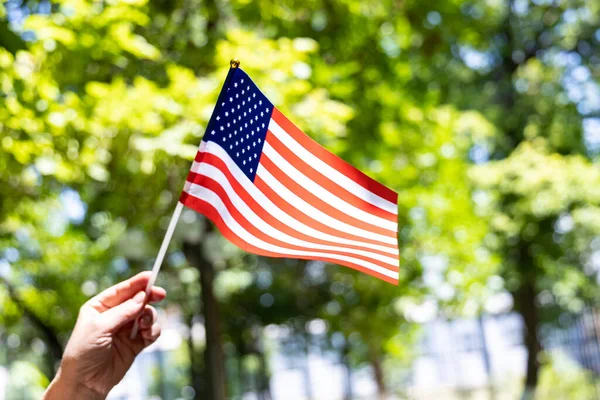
(215,174)
(308,209)
(325,194)
(212,198)
(216,150)
(329,171)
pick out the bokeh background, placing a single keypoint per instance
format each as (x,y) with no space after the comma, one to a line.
(483,115)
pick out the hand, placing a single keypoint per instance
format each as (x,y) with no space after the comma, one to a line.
(99,352)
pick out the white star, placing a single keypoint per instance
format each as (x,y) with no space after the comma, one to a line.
(267,109)
(222,128)
(213,131)
(230,146)
(250,159)
(230,99)
(242,140)
(224,139)
(222,104)
(236,142)
(253,144)
(218,118)
(242,81)
(232,110)
(256,118)
(244,162)
(239,106)
(235,121)
(251,170)
(258,140)
(253,94)
(237,154)
(260,102)
(228,124)
(235,132)
(237,96)
(248,98)
(226,114)
(243,151)
(248,88)
(252,121)
(244,102)
(230,136)
(247,136)
(255,155)
(250,109)
(263,125)
(261,113)
(245,114)
(248,147)
(243,92)
(235,84)
(255,106)
(246,125)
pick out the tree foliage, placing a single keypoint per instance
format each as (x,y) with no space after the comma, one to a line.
(483,116)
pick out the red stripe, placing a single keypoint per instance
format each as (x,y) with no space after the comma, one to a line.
(317,202)
(325,182)
(308,219)
(211,213)
(243,221)
(274,222)
(333,160)
(199,157)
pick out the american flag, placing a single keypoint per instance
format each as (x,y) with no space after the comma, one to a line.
(273,191)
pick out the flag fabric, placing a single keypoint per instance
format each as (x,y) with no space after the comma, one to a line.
(273,191)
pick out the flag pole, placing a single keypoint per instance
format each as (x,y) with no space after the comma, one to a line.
(234,64)
(159,259)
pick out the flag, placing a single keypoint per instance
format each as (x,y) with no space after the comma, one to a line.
(273,191)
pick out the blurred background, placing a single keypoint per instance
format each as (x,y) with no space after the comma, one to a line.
(483,115)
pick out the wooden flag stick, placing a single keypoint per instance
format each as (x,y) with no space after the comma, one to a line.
(159,259)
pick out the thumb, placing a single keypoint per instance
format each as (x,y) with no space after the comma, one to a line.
(114,318)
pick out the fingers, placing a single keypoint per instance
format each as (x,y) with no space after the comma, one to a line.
(116,317)
(148,318)
(157,294)
(123,291)
(149,332)
(149,329)
(120,292)
(150,335)
(144,339)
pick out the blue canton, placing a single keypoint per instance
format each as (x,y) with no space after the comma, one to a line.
(240,120)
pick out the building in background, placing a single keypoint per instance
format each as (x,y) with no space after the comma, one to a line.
(477,356)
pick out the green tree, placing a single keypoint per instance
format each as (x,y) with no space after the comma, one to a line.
(537,193)
(109,100)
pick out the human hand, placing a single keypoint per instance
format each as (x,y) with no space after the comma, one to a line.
(100,352)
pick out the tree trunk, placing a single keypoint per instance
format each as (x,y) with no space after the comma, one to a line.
(213,353)
(376,364)
(348,372)
(264,381)
(55,349)
(306,370)
(528,310)
(196,364)
(486,357)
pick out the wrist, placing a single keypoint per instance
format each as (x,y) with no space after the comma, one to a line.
(65,386)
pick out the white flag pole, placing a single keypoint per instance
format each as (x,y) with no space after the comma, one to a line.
(159,259)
